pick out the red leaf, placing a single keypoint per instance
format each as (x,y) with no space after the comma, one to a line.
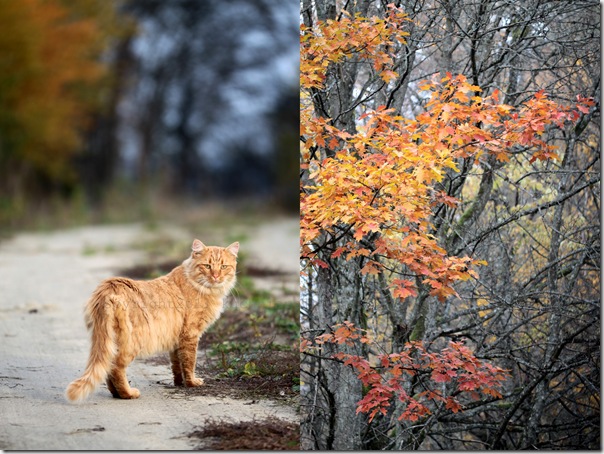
(320,263)
(467,385)
(338,252)
(439,377)
(453,405)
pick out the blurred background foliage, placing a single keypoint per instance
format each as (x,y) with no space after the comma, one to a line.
(133,105)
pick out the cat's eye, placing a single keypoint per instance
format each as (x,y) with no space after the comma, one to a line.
(223,267)
(208,266)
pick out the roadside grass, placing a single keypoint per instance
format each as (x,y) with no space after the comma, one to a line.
(252,349)
(126,203)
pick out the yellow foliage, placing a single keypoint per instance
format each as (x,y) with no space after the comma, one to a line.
(50,79)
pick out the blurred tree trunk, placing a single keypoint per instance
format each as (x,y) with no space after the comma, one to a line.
(286,122)
(206,93)
(99,163)
(189,172)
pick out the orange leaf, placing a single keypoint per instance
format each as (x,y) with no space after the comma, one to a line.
(370,268)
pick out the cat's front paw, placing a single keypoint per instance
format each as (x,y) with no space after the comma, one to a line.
(194,382)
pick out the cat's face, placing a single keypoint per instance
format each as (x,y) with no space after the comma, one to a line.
(213,266)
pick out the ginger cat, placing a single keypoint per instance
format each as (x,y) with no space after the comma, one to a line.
(129,318)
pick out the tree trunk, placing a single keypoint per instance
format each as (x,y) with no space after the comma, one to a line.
(339,297)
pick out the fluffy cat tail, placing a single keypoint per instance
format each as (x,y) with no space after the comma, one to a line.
(100,315)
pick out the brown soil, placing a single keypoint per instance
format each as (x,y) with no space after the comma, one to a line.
(269,434)
(278,370)
(275,380)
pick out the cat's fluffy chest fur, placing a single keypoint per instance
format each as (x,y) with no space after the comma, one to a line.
(130,318)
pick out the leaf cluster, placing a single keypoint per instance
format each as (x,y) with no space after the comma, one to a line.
(466,377)
(381,181)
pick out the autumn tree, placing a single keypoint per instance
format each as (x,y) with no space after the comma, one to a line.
(408,185)
(52,80)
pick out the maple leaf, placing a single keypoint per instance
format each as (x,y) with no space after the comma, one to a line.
(320,263)
(371,226)
(492,392)
(440,377)
(358,234)
(443,197)
(305,345)
(403,288)
(461,97)
(333,143)
(338,252)
(540,95)
(388,75)
(453,405)
(370,268)
(343,335)
(467,385)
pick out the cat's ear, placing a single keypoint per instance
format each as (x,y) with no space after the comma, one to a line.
(197,246)
(233,248)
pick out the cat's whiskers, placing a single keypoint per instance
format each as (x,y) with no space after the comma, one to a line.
(234,292)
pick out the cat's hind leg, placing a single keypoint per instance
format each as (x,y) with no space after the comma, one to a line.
(119,380)
(176,369)
(111,387)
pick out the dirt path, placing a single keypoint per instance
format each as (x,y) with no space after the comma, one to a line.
(44,281)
